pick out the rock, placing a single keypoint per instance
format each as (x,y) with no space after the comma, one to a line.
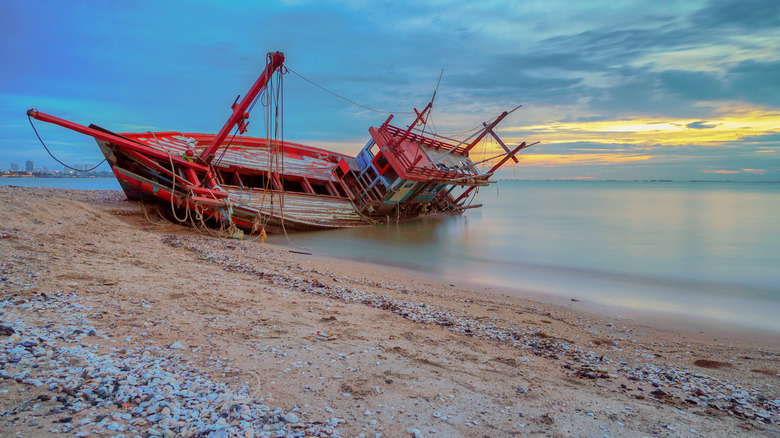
(6,330)
(291,418)
(659,393)
(176,346)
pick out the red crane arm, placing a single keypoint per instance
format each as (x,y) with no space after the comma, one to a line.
(113,138)
(276,59)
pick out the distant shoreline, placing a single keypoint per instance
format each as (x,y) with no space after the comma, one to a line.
(102,174)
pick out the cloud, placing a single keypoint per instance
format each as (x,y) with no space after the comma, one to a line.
(757,82)
(734,171)
(748,14)
(500,81)
(770,137)
(700,125)
(692,85)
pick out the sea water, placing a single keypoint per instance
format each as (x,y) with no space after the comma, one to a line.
(64,183)
(691,248)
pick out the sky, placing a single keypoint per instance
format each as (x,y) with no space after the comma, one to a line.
(682,90)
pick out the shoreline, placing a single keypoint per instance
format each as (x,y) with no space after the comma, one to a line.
(655,319)
(288,335)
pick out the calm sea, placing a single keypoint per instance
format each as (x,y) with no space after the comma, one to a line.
(699,249)
(64,183)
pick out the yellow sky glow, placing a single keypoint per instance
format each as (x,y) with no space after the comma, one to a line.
(553,160)
(732,127)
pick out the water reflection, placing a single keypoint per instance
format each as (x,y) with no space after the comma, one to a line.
(670,247)
(417,245)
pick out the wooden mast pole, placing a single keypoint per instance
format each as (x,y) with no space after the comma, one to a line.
(275,60)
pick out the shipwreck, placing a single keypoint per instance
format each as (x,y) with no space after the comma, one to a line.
(270,185)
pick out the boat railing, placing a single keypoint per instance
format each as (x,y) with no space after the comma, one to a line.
(391,135)
(426,141)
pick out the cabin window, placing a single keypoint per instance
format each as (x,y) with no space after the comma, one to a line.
(257,180)
(292,186)
(320,188)
(227,178)
(409,185)
(370,146)
(381,161)
(369,176)
(340,190)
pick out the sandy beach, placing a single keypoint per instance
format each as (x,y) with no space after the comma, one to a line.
(115,322)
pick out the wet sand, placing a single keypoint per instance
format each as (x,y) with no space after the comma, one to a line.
(94,290)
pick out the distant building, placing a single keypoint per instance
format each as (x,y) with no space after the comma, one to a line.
(28,166)
(78,166)
(14,167)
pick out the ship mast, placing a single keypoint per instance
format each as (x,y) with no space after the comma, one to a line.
(239,116)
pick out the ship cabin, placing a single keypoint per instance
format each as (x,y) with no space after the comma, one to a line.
(399,173)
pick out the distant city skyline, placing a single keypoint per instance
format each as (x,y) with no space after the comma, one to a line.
(29,166)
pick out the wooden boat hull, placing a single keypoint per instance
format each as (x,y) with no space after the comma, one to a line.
(250,207)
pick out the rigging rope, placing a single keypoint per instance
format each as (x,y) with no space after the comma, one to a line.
(55,158)
(173,183)
(344,98)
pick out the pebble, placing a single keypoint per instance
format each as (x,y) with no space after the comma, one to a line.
(162,394)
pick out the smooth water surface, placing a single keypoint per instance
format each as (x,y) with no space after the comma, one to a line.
(704,249)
